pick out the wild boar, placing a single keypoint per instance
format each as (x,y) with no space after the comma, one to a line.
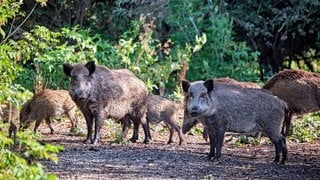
(163,109)
(102,93)
(48,104)
(222,107)
(299,89)
(193,121)
(9,113)
(239,83)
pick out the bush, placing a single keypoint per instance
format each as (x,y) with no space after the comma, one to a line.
(221,56)
(306,128)
(21,160)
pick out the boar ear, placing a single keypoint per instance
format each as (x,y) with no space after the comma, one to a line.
(67,68)
(185,85)
(91,67)
(209,84)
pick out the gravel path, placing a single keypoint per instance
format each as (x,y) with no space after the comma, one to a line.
(158,160)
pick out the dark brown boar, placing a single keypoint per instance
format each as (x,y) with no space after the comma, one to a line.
(48,104)
(9,113)
(222,107)
(193,121)
(238,83)
(300,89)
(163,109)
(102,93)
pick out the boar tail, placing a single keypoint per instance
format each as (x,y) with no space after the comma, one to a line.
(287,119)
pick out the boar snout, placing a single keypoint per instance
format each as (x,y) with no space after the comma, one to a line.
(80,94)
(194,112)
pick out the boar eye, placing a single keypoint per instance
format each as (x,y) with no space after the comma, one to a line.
(189,96)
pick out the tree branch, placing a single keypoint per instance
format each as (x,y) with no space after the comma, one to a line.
(19,25)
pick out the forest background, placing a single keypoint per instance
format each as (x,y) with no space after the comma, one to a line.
(161,41)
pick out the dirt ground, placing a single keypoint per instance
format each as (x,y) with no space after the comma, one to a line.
(158,160)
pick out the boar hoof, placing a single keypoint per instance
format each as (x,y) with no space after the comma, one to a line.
(147,141)
(87,141)
(182,143)
(214,158)
(95,141)
(133,140)
(277,161)
(210,156)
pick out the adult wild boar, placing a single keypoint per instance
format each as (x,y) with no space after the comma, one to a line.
(102,93)
(191,122)
(48,104)
(163,109)
(299,89)
(222,107)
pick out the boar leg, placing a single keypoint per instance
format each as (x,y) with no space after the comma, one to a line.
(212,139)
(205,134)
(13,131)
(126,123)
(173,126)
(220,136)
(73,116)
(135,135)
(38,121)
(216,140)
(89,121)
(171,131)
(48,121)
(188,123)
(284,150)
(281,147)
(258,135)
(145,126)
(147,134)
(98,124)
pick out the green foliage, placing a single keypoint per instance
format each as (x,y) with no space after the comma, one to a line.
(44,53)
(140,52)
(14,93)
(8,65)
(31,52)
(306,128)
(41,53)
(36,151)
(8,10)
(244,140)
(115,132)
(209,177)
(141,55)
(196,130)
(221,56)
(21,160)
(177,96)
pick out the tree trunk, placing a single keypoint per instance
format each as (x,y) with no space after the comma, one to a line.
(82,5)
